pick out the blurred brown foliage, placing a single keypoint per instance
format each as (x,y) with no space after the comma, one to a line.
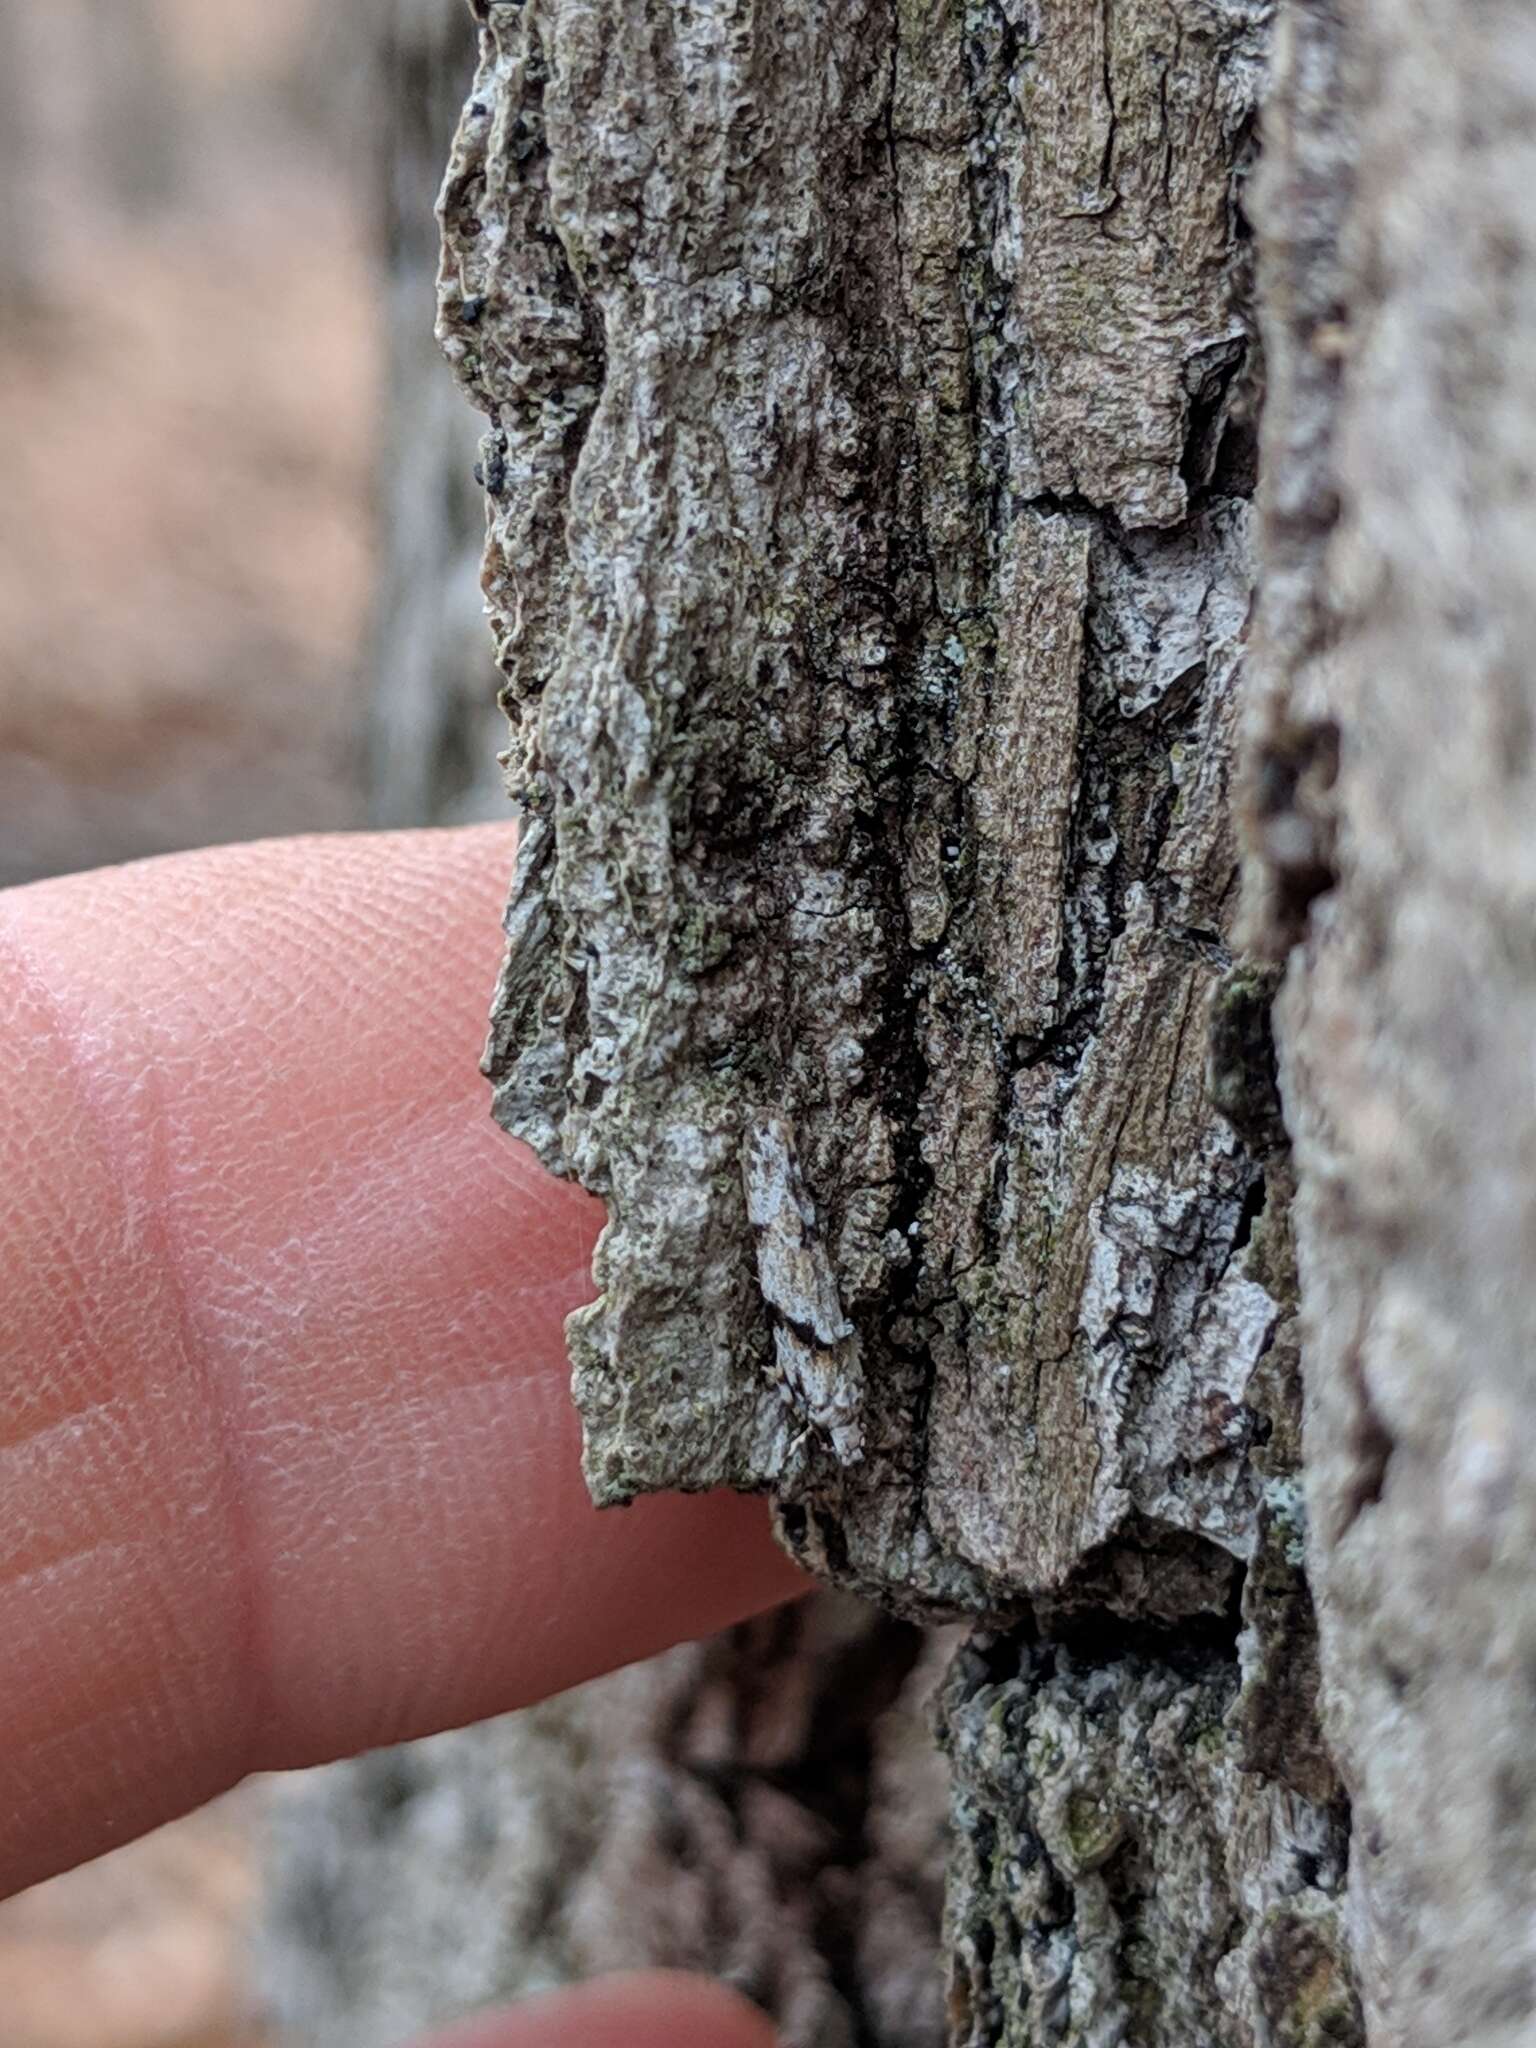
(190,367)
(190,346)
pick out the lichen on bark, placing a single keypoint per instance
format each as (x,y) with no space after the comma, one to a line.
(872,398)
(1078,1913)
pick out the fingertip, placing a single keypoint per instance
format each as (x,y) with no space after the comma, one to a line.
(288,1456)
(642,2009)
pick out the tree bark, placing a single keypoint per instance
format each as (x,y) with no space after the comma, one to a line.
(1396,800)
(767,1807)
(874,392)
(871,454)
(870,557)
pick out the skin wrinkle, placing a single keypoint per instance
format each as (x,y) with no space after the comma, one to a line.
(144,1198)
(34,1433)
(261,1214)
(39,1570)
(223,1393)
(90,1556)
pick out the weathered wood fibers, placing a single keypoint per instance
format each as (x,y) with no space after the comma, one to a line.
(869,466)
(1397,775)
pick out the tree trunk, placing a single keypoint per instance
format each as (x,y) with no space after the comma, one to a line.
(20,270)
(1396,792)
(434,730)
(877,582)
(108,127)
(872,415)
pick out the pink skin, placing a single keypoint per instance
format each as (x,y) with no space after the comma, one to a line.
(661,2007)
(287,1463)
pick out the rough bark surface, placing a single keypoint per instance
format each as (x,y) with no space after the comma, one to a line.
(769,1807)
(1396,807)
(870,561)
(869,467)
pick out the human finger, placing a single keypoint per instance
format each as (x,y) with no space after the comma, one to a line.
(654,2009)
(288,1466)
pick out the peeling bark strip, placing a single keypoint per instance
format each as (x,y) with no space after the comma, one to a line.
(869,566)
(869,467)
(1400,620)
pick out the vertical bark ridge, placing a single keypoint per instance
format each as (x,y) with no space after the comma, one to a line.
(871,454)
(766,1807)
(870,562)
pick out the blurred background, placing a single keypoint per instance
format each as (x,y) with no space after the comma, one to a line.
(238,596)
(216,248)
